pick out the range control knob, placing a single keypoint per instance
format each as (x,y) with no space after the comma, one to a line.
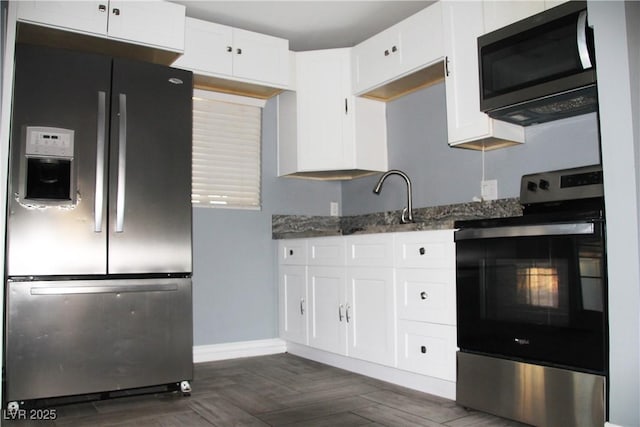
(532,186)
(543,184)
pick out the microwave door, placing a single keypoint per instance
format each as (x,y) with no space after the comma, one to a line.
(150,170)
(52,218)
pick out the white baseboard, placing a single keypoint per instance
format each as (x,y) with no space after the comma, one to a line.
(423,383)
(234,350)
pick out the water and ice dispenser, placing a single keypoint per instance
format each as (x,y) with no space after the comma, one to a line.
(47,175)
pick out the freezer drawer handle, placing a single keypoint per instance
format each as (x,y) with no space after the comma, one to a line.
(99,193)
(122,163)
(102,289)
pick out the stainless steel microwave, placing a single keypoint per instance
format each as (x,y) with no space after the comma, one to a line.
(539,69)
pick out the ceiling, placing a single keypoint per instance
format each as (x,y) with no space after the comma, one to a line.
(308,25)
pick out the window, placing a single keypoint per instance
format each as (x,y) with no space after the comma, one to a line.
(226,150)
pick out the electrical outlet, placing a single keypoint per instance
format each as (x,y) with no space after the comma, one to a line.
(489,189)
(334,209)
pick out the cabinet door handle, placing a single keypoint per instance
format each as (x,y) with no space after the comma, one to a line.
(346,106)
(116,11)
(340,316)
(302,306)
(290,252)
(102,7)
(347,313)
(446,66)
(423,349)
(386,52)
(422,251)
(394,49)
(239,51)
(229,49)
(424,295)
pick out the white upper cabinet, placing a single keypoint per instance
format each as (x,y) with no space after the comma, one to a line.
(324,131)
(218,50)
(408,46)
(152,23)
(498,14)
(467,126)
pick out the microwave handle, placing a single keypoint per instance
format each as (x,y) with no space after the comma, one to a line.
(583,51)
(584,228)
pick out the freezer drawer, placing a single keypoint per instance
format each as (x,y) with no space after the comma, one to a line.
(88,336)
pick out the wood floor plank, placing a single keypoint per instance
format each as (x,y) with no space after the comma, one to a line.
(421,407)
(389,416)
(314,411)
(343,419)
(480,419)
(222,413)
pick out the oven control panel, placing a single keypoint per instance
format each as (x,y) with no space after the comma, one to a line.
(566,184)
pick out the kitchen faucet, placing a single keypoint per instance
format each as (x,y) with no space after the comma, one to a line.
(407,213)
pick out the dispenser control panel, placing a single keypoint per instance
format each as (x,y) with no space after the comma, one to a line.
(49,142)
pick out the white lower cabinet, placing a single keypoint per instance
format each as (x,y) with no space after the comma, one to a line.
(386,298)
(293,303)
(427,348)
(370,314)
(327,309)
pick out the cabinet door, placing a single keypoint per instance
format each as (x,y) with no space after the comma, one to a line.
(370,314)
(376,60)
(207,48)
(323,93)
(327,316)
(293,303)
(498,14)
(260,57)
(156,23)
(420,38)
(462,26)
(84,16)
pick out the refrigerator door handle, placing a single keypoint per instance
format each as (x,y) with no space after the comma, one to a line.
(122,162)
(100,141)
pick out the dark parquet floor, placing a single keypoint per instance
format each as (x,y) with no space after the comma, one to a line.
(275,390)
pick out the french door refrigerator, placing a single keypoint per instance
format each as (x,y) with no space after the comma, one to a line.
(98,268)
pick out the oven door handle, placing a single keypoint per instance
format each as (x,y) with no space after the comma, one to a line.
(526,231)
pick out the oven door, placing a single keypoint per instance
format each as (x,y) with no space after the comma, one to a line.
(534,293)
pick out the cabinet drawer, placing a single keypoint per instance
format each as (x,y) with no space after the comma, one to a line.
(427,349)
(326,251)
(425,249)
(292,252)
(371,250)
(427,295)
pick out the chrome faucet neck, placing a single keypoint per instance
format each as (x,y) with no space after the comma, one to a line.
(407,213)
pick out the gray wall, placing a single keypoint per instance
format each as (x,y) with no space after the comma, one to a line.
(234,265)
(417,140)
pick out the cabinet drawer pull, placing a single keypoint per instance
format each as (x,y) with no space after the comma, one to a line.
(102,7)
(423,349)
(239,51)
(394,49)
(229,49)
(424,295)
(116,11)
(386,52)
(422,251)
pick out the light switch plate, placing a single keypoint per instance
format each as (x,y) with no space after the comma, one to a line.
(489,189)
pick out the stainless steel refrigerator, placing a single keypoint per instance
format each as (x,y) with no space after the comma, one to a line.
(98,268)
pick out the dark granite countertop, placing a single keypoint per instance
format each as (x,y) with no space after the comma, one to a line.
(430,218)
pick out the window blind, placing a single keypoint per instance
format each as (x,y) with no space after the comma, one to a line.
(226,150)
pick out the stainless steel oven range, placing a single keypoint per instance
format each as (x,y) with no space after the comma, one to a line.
(532,307)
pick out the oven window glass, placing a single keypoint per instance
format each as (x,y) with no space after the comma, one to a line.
(529,291)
